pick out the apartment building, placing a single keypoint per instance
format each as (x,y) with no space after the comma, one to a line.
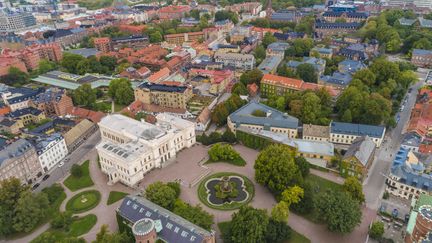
(173,12)
(19,160)
(258,117)
(346,133)
(219,79)
(409,177)
(171,96)
(15,21)
(179,39)
(130,149)
(50,150)
(358,158)
(103,44)
(274,85)
(349,17)
(236,60)
(7,62)
(53,102)
(27,116)
(324,29)
(316,133)
(422,58)
(32,55)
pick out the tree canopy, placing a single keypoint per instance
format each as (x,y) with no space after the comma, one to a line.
(161,194)
(354,188)
(339,211)
(249,225)
(307,72)
(276,169)
(84,95)
(121,91)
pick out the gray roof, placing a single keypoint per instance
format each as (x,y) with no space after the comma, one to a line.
(407,22)
(173,227)
(85,52)
(274,118)
(421,52)
(278,46)
(411,139)
(270,63)
(15,149)
(357,129)
(362,148)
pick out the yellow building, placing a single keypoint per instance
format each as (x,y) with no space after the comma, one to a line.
(27,116)
(170,96)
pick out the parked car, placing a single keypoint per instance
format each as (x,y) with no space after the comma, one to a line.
(45,177)
(61,164)
(35,186)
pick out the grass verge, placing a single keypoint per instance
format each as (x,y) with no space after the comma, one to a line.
(75,183)
(114,196)
(83,201)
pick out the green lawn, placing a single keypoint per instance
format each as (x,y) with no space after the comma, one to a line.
(79,226)
(320,186)
(82,225)
(76,183)
(297,238)
(83,201)
(237,162)
(114,196)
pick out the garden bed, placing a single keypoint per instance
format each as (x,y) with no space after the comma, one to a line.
(83,201)
(203,192)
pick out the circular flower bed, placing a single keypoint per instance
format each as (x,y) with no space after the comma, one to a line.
(225,191)
(83,201)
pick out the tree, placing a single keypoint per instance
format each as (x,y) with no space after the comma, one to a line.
(104,236)
(121,91)
(301,47)
(276,169)
(70,62)
(194,214)
(252,76)
(306,204)
(268,39)
(354,188)
(84,95)
(339,211)
(176,187)
(280,212)
(62,221)
(249,225)
(29,210)
(366,76)
(239,89)
(155,37)
(223,15)
(10,192)
(46,237)
(161,194)
(109,62)
(15,77)
(303,165)
(277,232)
(376,231)
(260,53)
(384,70)
(307,72)
(76,170)
(46,66)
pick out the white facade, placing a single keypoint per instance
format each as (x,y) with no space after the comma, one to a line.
(237,60)
(349,139)
(51,152)
(130,149)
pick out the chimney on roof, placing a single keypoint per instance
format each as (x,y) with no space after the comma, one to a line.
(268,113)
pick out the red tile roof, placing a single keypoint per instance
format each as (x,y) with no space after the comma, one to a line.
(275,79)
(159,75)
(94,116)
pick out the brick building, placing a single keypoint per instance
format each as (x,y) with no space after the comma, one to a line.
(53,102)
(171,96)
(103,44)
(7,62)
(32,55)
(323,29)
(173,12)
(178,39)
(422,58)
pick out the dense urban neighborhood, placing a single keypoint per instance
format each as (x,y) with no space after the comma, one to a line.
(273,121)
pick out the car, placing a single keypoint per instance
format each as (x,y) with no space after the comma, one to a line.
(60,164)
(35,186)
(409,90)
(45,177)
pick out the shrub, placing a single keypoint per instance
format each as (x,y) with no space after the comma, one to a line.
(76,170)
(225,152)
(62,220)
(377,230)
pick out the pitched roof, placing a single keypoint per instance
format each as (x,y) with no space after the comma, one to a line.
(173,228)
(275,79)
(273,118)
(362,148)
(316,131)
(357,129)
(159,75)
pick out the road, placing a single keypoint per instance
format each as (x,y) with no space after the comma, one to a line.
(375,183)
(75,157)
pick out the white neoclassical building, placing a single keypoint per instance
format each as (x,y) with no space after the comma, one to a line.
(51,150)
(130,149)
